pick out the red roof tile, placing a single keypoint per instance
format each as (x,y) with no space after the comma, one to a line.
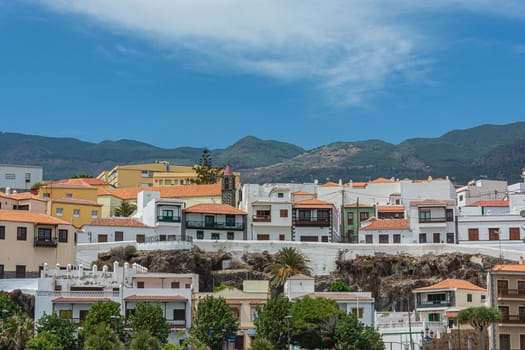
(25,196)
(302,193)
(312,203)
(382,180)
(214,209)
(27,216)
(452,284)
(509,268)
(387,224)
(123,222)
(495,203)
(390,209)
(81,181)
(156,297)
(330,184)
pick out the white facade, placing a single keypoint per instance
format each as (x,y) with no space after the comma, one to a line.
(387,236)
(481,190)
(506,229)
(114,232)
(433,221)
(20,178)
(214,226)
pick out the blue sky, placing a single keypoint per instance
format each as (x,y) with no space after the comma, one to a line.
(207,73)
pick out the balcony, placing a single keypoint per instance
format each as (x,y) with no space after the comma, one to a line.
(511,293)
(45,242)
(432,220)
(262,218)
(235,226)
(433,303)
(515,319)
(312,221)
(161,218)
(177,323)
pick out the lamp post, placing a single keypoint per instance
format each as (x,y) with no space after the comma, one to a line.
(288,323)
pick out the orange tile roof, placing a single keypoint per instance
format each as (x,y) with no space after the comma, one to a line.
(436,202)
(495,203)
(509,268)
(312,203)
(165,191)
(361,205)
(124,222)
(330,184)
(381,180)
(76,201)
(68,185)
(451,283)
(3,195)
(390,209)
(25,196)
(214,209)
(302,193)
(387,224)
(86,181)
(27,216)
(339,296)
(359,184)
(155,297)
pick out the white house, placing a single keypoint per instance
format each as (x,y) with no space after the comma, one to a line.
(433,221)
(115,230)
(386,231)
(215,222)
(19,178)
(481,190)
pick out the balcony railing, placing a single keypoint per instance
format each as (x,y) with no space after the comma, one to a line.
(161,218)
(237,226)
(165,238)
(512,319)
(432,220)
(311,221)
(177,323)
(511,293)
(47,242)
(433,303)
(262,218)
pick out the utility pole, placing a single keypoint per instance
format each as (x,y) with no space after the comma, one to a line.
(342,214)
(358,220)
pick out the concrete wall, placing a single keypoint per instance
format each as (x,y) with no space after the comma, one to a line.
(14,176)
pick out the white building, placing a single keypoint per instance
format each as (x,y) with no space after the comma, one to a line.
(433,221)
(116,230)
(386,231)
(215,222)
(481,190)
(19,178)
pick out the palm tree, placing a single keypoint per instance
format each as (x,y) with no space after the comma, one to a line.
(288,262)
(15,332)
(125,209)
(480,318)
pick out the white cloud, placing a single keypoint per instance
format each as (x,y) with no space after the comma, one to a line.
(349,49)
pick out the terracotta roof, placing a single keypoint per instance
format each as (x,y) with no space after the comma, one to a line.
(300,277)
(509,268)
(27,216)
(302,193)
(387,224)
(86,181)
(359,184)
(452,284)
(381,180)
(124,222)
(25,196)
(214,209)
(330,184)
(68,185)
(3,195)
(79,300)
(434,202)
(76,201)
(228,170)
(156,297)
(390,209)
(339,296)
(165,191)
(312,203)
(361,205)
(495,203)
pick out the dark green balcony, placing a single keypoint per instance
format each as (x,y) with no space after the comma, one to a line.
(161,218)
(235,226)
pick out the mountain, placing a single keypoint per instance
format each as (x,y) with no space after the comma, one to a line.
(494,151)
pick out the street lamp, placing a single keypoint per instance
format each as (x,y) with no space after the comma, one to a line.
(288,323)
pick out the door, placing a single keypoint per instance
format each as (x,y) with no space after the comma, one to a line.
(83,314)
(20,271)
(522,341)
(473,234)
(503,287)
(514,233)
(397,238)
(436,238)
(504,341)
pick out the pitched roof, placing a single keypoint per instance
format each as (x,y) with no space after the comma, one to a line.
(495,203)
(330,184)
(339,296)
(387,224)
(301,276)
(79,300)
(85,181)
(68,185)
(312,203)
(156,297)
(359,184)
(214,208)
(434,202)
(165,191)
(25,196)
(390,209)
(76,201)
(451,283)
(509,268)
(124,222)
(302,193)
(381,180)
(27,216)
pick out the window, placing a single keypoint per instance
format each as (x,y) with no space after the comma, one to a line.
(230,235)
(215,235)
(363,215)
(200,234)
(494,234)
(383,238)
(59,211)
(263,237)
(304,215)
(358,312)
(209,220)
(21,233)
(20,271)
(10,176)
(1,271)
(69,195)
(450,237)
(67,314)
(449,213)
(166,213)
(44,234)
(422,238)
(461,198)
(28,177)
(187,285)
(46,195)
(369,239)
(62,236)
(434,317)
(230,220)
(94,214)
(175,284)
(140,284)
(102,238)
(323,215)
(469,298)
(350,218)
(397,238)
(140,238)
(2,232)
(473,234)
(76,213)
(254,314)
(179,315)
(424,215)
(514,233)
(280,195)
(283,213)
(119,236)
(483,297)
(282,237)
(262,214)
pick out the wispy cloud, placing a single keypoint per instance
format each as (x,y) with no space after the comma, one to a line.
(349,49)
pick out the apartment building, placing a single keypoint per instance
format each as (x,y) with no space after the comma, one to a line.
(313,220)
(22,201)
(433,220)
(116,230)
(506,287)
(28,240)
(214,221)
(19,178)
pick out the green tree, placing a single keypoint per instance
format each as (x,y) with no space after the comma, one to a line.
(339,286)
(106,314)
(125,209)
(287,262)
(102,337)
(272,323)
(313,323)
(7,304)
(15,331)
(479,318)
(206,173)
(45,341)
(350,334)
(64,329)
(260,343)
(149,317)
(213,322)
(144,340)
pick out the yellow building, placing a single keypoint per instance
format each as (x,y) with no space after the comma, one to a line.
(28,240)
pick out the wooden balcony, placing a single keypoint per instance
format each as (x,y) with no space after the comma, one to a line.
(262,218)
(312,221)
(512,319)
(48,242)
(511,293)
